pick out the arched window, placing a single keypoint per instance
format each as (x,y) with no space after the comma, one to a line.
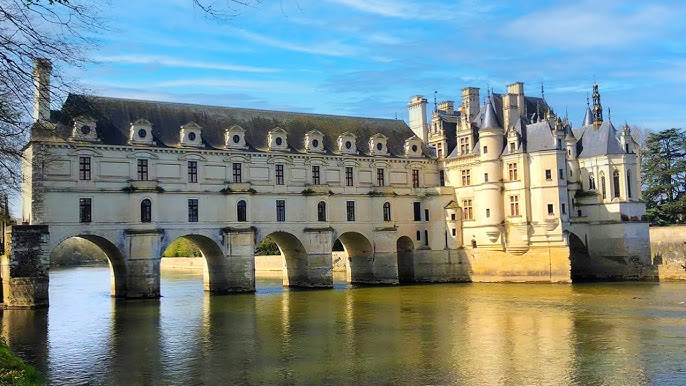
(321,211)
(146,210)
(387,211)
(603,187)
(591,182)
(242,210)
(615,183)
(628,183)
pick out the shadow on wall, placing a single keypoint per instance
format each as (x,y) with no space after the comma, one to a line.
(77,251)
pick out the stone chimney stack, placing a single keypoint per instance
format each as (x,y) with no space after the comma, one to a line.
(418,121)
(470,101)
(41,82)
(448,107)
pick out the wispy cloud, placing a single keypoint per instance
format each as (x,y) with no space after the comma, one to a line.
(329,48)
(236,84)
(403,9)
(182,63)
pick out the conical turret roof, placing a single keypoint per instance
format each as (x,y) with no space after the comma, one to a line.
(490,118)
(588,117)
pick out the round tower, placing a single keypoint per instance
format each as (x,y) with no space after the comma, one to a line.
(489,201)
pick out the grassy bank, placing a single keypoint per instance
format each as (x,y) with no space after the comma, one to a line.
(13,371)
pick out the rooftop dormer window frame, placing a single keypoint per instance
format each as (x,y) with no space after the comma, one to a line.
(346,143)
(140,132)
(277,139)
(190,135)
(413,147)
(378,145)
(234,138)
(314,142)
(83,129)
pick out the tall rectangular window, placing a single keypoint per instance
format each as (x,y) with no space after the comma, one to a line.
(514,205)
(485,177)
(280,210)
(548,174)
(464,146)
(415,178)
(561,174)
(237,172)
(348,176)
(192,171)
(426,237)
(485,149)
(142,169)
(84,168)
(441,177)
(551,209)
(85,210)
(350,210)
(278,173)
(192,210)
(467,210)
(512,169)
(488,213)
(563,208)
(466,177)
(426,215)
(417,211)
(315,175)
(380,181)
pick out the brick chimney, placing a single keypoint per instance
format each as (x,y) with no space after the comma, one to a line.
(41,81)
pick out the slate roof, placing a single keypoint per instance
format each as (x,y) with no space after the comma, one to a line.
(114,117)
(594,142)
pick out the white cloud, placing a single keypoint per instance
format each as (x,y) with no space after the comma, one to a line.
(326,48)
(408,10)
(176,62)
(236,84)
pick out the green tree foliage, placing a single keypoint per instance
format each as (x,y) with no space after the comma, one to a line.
(664,176)
(267,248)
(182,248)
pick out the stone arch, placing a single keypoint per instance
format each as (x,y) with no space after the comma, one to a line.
(115,258)
(296,264)
(405,250)
(578,256)
(360,257)
(215,270)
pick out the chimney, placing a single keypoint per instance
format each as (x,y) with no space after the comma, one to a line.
(41,82)
(448,107)
(418,122)
(470,101)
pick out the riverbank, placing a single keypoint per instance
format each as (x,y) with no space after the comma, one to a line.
(13,371)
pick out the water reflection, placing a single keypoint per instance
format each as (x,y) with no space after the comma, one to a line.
(443,334)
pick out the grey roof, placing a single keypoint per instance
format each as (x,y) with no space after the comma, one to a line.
(588,117)
(594,142)
(114,116)
(490,118)
(540,137)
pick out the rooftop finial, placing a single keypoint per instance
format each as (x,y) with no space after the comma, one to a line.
(609,114)
(542,91)
(588,102)
(435,101)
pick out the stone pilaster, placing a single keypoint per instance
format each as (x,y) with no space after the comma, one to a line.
(25,265)
(240,261)
(143,255)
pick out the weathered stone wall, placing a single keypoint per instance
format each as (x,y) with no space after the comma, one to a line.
(546,265)
(24,267)
(668,250)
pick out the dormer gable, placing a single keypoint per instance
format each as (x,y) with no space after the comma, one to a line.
(234,138)
(413,147)
(276,139)
(83,129)
(377,145)
(140,132)
(346,143)
(314,141)
(190,135)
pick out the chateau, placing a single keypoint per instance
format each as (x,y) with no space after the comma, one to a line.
(503,190)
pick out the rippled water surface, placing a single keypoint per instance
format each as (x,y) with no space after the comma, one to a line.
(470,334)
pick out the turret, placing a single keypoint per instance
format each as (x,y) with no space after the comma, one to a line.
(588,117)
(625,139)
(489,202)
(417,112)
(597,107)
(572,162)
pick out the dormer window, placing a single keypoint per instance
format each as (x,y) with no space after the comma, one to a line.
(346,143)
(190,135)
(84,129)
(413,147)
(234,138)
(314,142)
(277,139)
(140,132)
(377,145)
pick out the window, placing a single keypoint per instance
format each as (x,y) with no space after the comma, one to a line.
(514,205)
(417,211)
(415,178)
(146,210)
(192,210)
(315,175)
(563,208)
(348,176)
(467,213)
(439,153)
(571,173)
(485,177)
(485,149)
(452,216)
(387,211)
(85,210)
(426,215)
(464,145)
(603,187)
(142,169)
(321,211)
(280,210)
(466,177)
(441,177)
(559,144)
(513,147)
(454,232)
(615,183)
(350,210)
(626,147)
(488,213)
(512,169)
(426,237)
(561,174)
(551,210)
(628,183)
(84,168)
(579,213)
(419,235)
(548,174)
(379,177)
(278,172)
(591,182)
(237,172)
(242,211)
(192,171)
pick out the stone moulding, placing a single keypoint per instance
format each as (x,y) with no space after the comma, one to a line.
(316,230)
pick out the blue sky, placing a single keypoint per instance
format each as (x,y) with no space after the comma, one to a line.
(368,57)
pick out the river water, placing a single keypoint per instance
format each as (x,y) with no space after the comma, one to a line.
(471,334)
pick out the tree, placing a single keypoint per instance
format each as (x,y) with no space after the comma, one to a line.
(664,176)
(58,30)
(225,9)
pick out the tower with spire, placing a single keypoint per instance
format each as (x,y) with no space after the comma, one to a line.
(597,107)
